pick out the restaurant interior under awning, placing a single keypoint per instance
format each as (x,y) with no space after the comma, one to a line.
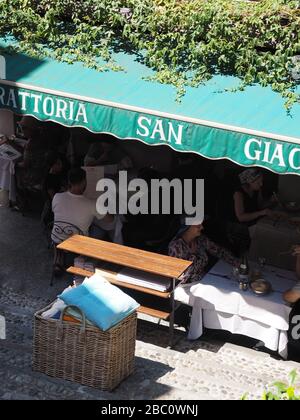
(212,133)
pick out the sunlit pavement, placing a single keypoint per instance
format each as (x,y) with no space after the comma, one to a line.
(209,368)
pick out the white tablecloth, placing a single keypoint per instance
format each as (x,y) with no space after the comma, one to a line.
(219,304)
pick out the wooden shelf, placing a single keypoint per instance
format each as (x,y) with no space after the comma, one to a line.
(77,271)
(143,309)
(154,312)
(115,257)
(111,277)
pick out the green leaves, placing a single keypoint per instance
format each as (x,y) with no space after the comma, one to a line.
(280,390)
(292,377)
(185,42)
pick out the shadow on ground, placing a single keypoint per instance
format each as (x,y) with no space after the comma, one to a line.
(143,383)
(26,265)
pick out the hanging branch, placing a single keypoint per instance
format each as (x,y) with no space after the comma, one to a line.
(186,42)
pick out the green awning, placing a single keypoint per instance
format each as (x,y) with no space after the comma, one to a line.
(249,127)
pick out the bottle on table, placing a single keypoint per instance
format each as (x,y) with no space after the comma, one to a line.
(244,273)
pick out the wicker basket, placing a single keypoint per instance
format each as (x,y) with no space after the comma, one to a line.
(83,353)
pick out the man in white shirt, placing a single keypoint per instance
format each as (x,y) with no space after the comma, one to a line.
(72,208)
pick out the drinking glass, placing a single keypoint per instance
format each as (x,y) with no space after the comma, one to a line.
(256,272)
(262,263)
(235,273)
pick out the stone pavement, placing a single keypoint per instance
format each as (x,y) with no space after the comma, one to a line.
(203,369)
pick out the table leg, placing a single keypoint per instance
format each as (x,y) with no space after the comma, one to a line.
(172,315)
(196,325)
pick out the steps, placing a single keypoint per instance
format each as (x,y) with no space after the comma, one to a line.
(227,374)
(192,371)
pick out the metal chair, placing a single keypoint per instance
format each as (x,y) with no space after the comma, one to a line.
(60,232)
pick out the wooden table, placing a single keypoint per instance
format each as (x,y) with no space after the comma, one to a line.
(125,256)
(218,303)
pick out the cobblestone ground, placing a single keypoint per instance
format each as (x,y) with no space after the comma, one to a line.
(203,369)
(207,369)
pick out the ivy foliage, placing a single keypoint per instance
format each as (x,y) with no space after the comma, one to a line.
(281,391)
(186,42)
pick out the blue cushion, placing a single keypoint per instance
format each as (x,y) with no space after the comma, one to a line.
(102,303)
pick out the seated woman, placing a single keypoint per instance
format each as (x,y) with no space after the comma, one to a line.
(246,210)
(190,244)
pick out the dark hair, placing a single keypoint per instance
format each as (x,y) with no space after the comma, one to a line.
(76,176)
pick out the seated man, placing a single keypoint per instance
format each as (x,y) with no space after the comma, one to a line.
(293,294)
(74,208)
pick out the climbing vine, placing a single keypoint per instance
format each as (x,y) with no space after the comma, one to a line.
(186,42)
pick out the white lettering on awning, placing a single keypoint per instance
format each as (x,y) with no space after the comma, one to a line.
(292,158)
(71,111)
(24,96)
(81,113)
(158,129)
(145,132)
(61,109)
(48,107)
(257,153)
(272,153)
(278,154)
(177,136)
(267,151)
(162,130)
(11,99)
(36,99)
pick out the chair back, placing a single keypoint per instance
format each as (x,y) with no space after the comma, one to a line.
(161,244)
(63,230)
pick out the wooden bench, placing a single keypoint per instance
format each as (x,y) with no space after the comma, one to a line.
(120,255)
